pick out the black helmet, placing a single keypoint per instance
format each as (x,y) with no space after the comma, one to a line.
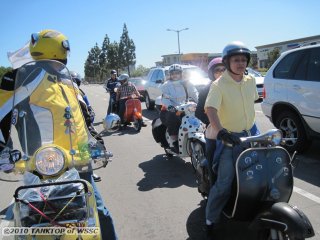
(113,72)
(235,48)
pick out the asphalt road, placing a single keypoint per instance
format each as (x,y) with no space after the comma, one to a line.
(151,197)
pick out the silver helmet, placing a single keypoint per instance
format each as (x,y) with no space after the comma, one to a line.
(111,122)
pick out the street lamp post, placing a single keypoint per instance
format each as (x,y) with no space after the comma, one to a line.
(178,34)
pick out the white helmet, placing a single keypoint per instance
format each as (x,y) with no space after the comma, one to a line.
(175,68)
(111,122)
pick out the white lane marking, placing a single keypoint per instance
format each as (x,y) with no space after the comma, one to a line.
(258,111)
(307,194)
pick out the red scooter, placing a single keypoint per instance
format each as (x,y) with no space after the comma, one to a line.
(133,112)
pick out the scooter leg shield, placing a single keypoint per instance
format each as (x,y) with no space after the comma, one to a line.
(285,218)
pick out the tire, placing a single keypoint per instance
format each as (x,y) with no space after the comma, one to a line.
(291,126)
(264,234)
(137,124)
(149,102)
(198,154)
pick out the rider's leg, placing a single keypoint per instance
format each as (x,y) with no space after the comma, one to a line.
(220,191)
(105,219)
(122,108)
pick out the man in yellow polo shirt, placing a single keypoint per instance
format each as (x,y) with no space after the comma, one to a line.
(230,109)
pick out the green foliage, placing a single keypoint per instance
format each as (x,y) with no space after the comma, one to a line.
(127,55)
(110,56)
(113,56)
(140,71)
(272,57)
(3,70)
(92,67)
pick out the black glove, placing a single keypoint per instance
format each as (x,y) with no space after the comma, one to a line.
(228,138)
(8,159)
(171,109)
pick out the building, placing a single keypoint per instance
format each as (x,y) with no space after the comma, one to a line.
(169,59)
(263,50)
(197,59)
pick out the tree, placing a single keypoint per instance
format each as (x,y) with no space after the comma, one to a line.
(103,55)
(273,56)
(92,65)
(127,55)
(3,70)
(113,56)
(140,71)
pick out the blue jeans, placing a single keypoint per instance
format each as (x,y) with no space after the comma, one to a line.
(221,190)
(224,166)
(106,223)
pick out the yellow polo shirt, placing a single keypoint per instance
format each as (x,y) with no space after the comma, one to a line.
(234,101)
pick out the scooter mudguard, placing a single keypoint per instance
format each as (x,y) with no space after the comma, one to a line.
(285,218)
(197,135)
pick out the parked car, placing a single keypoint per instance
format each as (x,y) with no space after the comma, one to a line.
(157,76)
(291,96)
(140,85)
(259,80)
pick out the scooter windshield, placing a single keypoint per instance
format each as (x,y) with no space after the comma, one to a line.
(47,124)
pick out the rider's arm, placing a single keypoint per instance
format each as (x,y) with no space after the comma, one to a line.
(193,92)
(213,118)
(166,98)
(136,91)
(118,94)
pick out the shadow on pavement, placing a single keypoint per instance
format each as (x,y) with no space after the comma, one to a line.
(161,172)
(229,230)
(307,165)
(150,114)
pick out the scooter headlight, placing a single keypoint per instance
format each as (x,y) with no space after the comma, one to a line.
(49,161)
(192,107)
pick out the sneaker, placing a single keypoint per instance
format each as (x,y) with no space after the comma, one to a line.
(127,123)
(143,124)
(96,178)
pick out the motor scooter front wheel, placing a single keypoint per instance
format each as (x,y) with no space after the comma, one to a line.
(137,124)
(196,150)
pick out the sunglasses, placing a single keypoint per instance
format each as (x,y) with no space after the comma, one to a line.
(219,70)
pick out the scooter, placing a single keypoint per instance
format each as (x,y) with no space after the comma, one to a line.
(191,135)
(52,148)
(262,188)
(133,112)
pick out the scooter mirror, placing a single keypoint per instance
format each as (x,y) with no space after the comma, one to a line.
(111,122)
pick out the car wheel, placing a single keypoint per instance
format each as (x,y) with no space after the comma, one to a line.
(291,126)
(149,103)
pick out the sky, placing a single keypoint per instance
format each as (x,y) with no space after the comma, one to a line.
(212,24)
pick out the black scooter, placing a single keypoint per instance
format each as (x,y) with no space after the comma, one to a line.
(261,190)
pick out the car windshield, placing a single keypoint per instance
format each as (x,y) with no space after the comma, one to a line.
(191,73)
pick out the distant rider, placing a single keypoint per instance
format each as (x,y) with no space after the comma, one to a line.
(175,91)
(124,92)
(215,70)
(110,86)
